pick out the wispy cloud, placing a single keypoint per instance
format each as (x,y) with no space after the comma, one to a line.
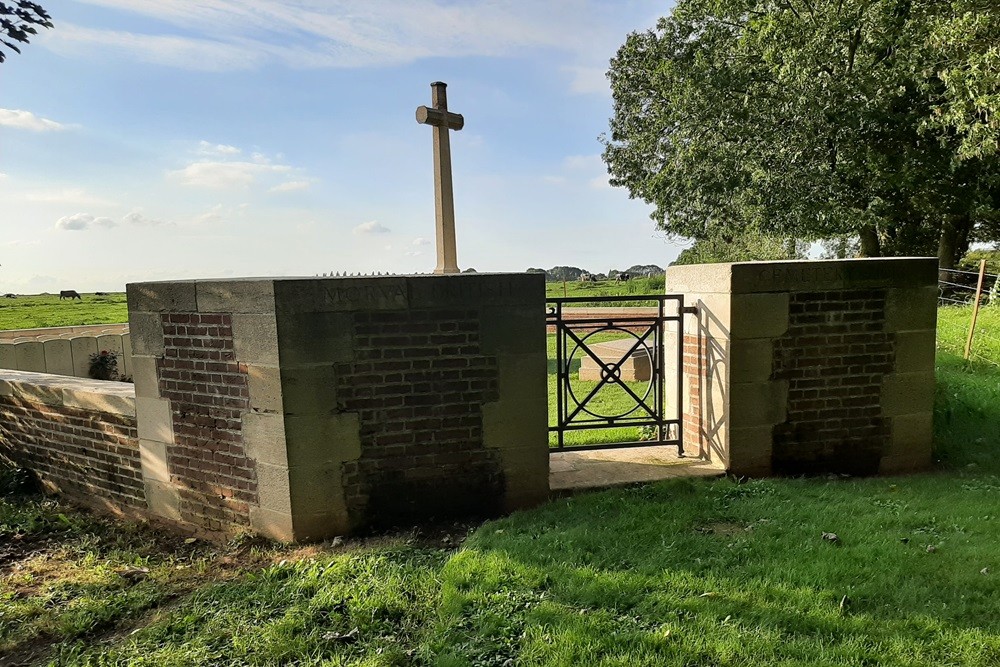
(25,120)
(136,217)
(291,186)
(80,221)
(214,174)
(371,227)
(420,240)
(77,196)
(587,80)
(345,33)
(207,148)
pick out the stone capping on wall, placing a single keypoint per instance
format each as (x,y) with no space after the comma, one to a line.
(64,350)
(117,398)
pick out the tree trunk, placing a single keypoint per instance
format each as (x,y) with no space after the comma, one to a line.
(869,242)
(947,246)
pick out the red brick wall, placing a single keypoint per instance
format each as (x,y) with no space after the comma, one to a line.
(833,356)
(89,456)
(208,394)
(417,385)
(695,373)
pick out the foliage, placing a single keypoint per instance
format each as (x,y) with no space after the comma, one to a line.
(972,258)
(18,21)
(46,310)
(808,120)
(103,365)
(741,248)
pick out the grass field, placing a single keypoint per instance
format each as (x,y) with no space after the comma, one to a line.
(47,310)
(695,573)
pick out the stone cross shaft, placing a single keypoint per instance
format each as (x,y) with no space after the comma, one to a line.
(442,120)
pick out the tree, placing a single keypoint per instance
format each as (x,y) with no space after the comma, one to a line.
(743,248)
(809,119)
(18,21)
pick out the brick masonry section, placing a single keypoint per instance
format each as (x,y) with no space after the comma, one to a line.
(694,370)
(208,394)
(834,356)
(417,384)
(91,457)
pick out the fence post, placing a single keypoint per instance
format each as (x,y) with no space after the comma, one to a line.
(975,308)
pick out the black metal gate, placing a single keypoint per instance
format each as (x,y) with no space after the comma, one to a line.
(621,351)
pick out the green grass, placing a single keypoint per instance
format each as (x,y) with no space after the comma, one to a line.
(46,310)
(690,572)
(636,286)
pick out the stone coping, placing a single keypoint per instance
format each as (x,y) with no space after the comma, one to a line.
(117,398)
(48,333)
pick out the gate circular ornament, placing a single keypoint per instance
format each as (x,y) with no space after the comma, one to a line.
(609,377)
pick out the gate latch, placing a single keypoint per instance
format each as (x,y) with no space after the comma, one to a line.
(689,310)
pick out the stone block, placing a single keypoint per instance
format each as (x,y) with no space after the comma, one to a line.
(264,438)
(759,315)
(269,523)
(125,363)
(506,329)
(751,359)
(255,338)
(316,489)
(757,404)
(911,309)
(39,389)
(315,338)
(163,499)
(144,377)
(248,295)
(153,458)
(322,439)
(159,297)
(912,435)
(713,318)
(58,357)
(812,275)
(316,295)
(112,343)
(317,526)
(274,488)
(907,393)
(699,279)
(111,398)
(915,351)
(30,356)
(82,348)
(309,390)
(477,290)
(146,331)
(8,356)
(155,421)
(750,451)
(264,383)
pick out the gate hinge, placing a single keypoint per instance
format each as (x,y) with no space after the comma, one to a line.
(689,310)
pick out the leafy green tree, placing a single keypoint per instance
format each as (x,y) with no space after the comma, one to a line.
(17,23)
(742,248)
(809,119)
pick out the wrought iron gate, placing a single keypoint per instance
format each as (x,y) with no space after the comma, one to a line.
(624,350)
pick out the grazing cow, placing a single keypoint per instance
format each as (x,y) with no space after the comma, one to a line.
(587,278)
(69,294)
(623,278)
(9,296)
(100,293)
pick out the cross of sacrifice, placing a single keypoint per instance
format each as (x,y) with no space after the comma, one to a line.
(442,120)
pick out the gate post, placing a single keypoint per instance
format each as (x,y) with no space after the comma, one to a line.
(809,367)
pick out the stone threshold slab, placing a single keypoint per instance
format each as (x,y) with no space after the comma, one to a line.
(603,468)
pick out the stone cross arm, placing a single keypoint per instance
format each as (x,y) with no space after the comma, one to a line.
(440,118)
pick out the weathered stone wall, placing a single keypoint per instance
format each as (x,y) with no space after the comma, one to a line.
(78,436)
(310,408)
(64,350)
(808,367)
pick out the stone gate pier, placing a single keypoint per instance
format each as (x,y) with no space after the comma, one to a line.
(305,408)
(808,367)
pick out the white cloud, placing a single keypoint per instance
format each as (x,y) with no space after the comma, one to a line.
(555,180)
(420,240)
(584,162)
(371,227)
(291,186)
(3,176)
(81,221)
(206,148)
(216,174)
(589,80)
(414,253)
(136,217)
(25,120)
(599,182)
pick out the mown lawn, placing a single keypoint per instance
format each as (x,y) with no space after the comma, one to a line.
(719,572)
(47,310)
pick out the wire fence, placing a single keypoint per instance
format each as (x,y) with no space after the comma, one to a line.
(964,328)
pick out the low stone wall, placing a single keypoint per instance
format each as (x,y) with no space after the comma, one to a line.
(79,436)
(64,350)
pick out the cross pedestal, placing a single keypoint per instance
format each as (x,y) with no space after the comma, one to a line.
(442,120)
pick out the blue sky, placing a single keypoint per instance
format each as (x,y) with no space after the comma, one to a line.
(160,139)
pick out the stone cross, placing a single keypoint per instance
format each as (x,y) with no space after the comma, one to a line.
(442,120)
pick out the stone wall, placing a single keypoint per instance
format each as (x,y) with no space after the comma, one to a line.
(304,408)
(809,367)
(64,350)
(78,436)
